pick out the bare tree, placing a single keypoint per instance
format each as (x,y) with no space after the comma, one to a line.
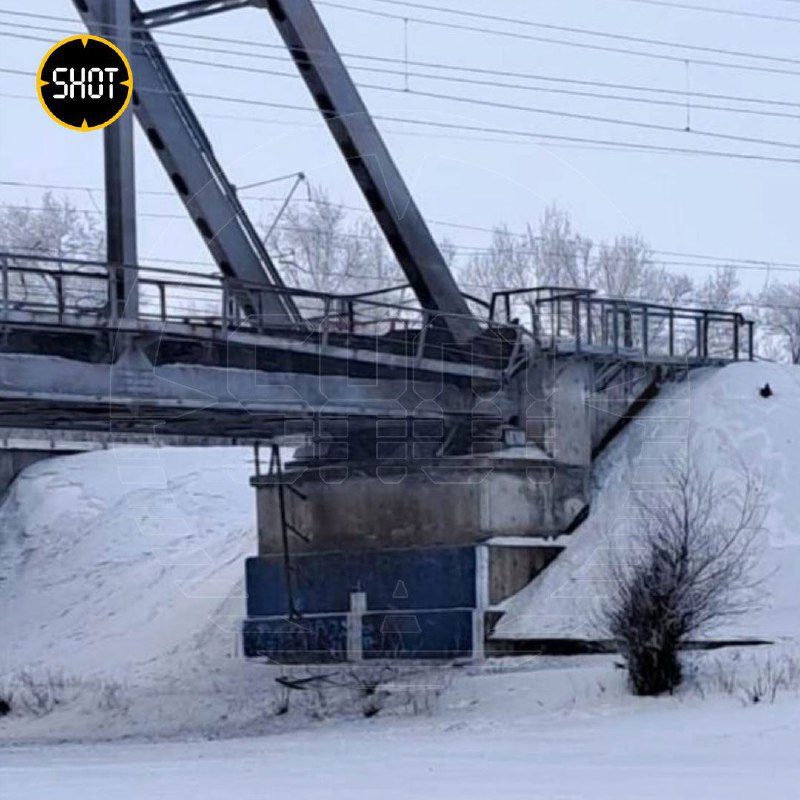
(551,254)
(692,566)
(623,267)
(721,289)
(781,317)
(323,249)
(554,254)
(56,229)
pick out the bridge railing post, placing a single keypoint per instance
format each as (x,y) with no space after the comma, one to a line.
(423,335)
(603,324)
(589,332)
(698,337)
(59,286)
(750,349)
(627,319)
(162,301)
(326,320)
(5,287)
(645,332)
(113,292)
(557,334)
(736,323)
(672,332)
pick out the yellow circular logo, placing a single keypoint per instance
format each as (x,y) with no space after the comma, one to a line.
(84,82)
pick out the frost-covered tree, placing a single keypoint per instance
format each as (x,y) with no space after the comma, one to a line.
(324,249)
(554,254)
(551,254)
(780,316)
(721,289)
(55,229)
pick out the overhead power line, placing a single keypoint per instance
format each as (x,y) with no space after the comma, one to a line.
(460,79)
(685,96)
(513,34)
(516,34)
(731,12)
(534,136)
(529,109)
(404,64)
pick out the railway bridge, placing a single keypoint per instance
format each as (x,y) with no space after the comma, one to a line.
(444,440)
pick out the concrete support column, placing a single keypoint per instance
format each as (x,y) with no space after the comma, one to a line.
(572,436)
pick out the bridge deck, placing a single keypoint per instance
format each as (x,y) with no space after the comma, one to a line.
(193,364)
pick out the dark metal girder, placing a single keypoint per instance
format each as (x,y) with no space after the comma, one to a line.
(181,12)
(120,183)
(188,158)
(383,186)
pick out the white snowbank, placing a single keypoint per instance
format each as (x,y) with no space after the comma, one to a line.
(714,417)
(120,562)
(507,740)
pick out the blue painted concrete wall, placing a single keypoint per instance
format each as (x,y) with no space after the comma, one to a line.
(419,635)
(422,635)
(315,640)
(440,578)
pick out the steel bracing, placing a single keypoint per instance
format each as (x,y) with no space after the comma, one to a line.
(239,355)
(178,139)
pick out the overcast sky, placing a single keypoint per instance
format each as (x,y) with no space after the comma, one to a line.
(702,204)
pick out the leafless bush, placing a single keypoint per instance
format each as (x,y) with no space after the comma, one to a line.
(766,684)
(39,693)
(368,682)
(368,689)
(396,689)
(692,568)
(111,697)
(753,681)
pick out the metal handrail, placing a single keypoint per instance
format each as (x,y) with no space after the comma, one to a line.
(574,319)
(41,284)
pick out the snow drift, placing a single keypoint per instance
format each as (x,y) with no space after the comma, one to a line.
(715,418)
(121,561)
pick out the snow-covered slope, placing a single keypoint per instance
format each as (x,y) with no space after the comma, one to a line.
(714,418)
(121,561)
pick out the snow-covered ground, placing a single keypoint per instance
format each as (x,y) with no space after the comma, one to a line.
(119,562)
(717,419)
(121,593)
(121,600)
(497,736)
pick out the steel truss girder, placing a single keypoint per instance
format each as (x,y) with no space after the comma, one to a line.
(186,154)
(181,12)
(375,172)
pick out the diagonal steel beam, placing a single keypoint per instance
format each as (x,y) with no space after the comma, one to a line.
(188,158)
(193,9)
(371,164)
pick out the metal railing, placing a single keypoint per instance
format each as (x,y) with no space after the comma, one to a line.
(576,320)
(66,290)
